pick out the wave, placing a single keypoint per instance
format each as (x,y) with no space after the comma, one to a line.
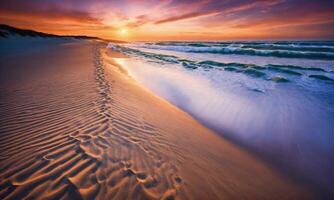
(270,72)
(278,43)
(327,49)
(319,53)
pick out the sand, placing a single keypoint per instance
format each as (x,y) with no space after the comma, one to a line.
(74,125)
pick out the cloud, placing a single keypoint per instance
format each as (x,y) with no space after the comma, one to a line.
(186,16)
(289,14)
(139,21)
(104,17)
(211,8)
(37,9)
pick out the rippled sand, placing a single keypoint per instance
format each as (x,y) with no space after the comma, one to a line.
(74,125)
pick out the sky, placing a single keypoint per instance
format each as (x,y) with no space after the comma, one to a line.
(153,20)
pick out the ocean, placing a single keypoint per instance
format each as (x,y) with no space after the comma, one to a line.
(275,98)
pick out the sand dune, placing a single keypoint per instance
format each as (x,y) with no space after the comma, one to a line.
(73,125)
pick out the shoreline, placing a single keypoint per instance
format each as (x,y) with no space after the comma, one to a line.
(218,137)
(284,147)
(76,126)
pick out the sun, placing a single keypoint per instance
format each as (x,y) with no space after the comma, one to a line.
(123,31)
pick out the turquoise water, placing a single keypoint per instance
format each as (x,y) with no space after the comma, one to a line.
(274,98)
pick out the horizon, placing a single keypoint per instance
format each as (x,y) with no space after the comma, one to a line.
(209,41)
(205,20)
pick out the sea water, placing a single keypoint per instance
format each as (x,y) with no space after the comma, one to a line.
(274,98)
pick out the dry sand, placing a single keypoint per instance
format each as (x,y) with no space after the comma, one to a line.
(74,125)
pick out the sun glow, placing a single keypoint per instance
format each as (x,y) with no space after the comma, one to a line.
(123,32)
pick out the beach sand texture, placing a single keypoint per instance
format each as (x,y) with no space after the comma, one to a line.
(74,125)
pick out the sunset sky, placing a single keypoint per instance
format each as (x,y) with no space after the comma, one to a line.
(175,19)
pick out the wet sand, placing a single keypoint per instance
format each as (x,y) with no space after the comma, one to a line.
(74,125)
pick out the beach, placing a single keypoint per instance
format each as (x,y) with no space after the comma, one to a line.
(75,125)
